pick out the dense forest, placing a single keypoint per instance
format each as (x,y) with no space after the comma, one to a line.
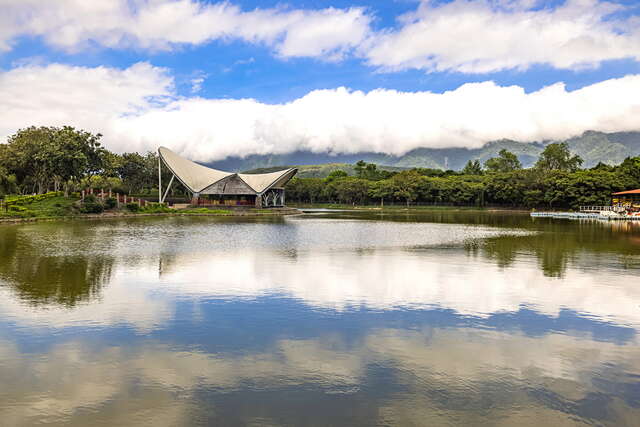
(555,181)
(41,159)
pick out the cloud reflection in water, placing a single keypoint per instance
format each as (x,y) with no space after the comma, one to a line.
(266,323)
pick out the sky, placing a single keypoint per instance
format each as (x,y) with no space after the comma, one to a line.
(213,79)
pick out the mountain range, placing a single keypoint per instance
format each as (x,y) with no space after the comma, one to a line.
(593,147)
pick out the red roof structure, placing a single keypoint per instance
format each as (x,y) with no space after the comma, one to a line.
(622,193)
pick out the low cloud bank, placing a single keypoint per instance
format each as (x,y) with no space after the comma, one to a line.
(137,109)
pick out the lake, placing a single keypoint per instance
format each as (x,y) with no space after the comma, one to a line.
(328,318)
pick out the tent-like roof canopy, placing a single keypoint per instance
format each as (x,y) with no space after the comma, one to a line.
(622,193)
(197,177)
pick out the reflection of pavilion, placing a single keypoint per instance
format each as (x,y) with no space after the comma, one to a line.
(213,187)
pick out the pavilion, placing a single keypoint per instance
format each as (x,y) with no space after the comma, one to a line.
(628,200)
(213,187)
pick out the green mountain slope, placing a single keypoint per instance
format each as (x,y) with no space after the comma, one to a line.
(611,149)
(320,171)
(593,147)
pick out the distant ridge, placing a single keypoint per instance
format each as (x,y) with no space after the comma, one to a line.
(321,170)
(593,147)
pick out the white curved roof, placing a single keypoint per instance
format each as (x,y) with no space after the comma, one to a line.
(197,177)
(260,182)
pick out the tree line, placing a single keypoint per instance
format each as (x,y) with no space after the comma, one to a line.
(556,181)
(41,159)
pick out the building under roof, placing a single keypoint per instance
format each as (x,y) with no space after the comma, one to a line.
(213,187)
(628,200)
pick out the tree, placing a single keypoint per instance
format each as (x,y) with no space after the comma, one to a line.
(305,189)
(360,168)
(74,154)
(505,162)
(472,167)
(28,158)
(629,170)
(558,157)
(405,185)
(138,172)
(508,188)
(41,156)
(132,171)
(370,171)
(349,189)
(335,175)
(430,172)
(7,183)
(381,190)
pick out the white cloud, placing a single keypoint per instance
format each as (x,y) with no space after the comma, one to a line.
(92,98)
(163,24)
(196,84)
(136,109)
(480,36)
(471,36)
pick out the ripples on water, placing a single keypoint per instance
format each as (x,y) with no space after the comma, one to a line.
(333,318)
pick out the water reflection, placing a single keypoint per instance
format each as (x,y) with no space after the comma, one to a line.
(31,264)
(324,319)
(396,376)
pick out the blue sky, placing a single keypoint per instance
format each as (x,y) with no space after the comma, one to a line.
(280,54)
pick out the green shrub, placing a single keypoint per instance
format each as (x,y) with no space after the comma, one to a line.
(22,200)
(92,207)
(204,211)
(20,212)
(156,208)
(110,203)
(133,207)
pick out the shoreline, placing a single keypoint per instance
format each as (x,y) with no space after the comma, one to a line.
(414,208)
(296,209)
(230,213)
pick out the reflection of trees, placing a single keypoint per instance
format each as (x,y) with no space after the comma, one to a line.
(39,275)
(443,216)
(559,242)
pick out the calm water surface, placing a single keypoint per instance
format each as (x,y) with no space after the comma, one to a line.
(330,318)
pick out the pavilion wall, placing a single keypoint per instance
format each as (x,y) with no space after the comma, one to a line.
(232,185)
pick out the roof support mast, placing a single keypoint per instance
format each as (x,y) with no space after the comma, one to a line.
(159,179)
(168,188)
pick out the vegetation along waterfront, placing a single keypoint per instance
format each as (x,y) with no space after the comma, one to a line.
(43,170)
(555,181)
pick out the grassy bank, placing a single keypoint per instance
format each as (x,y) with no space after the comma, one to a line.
(52,206)
(39,206)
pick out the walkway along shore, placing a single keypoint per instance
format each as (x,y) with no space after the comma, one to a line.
(585,215)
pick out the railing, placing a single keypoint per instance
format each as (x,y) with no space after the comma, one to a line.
(228,202)
(601,208)
(120,198)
